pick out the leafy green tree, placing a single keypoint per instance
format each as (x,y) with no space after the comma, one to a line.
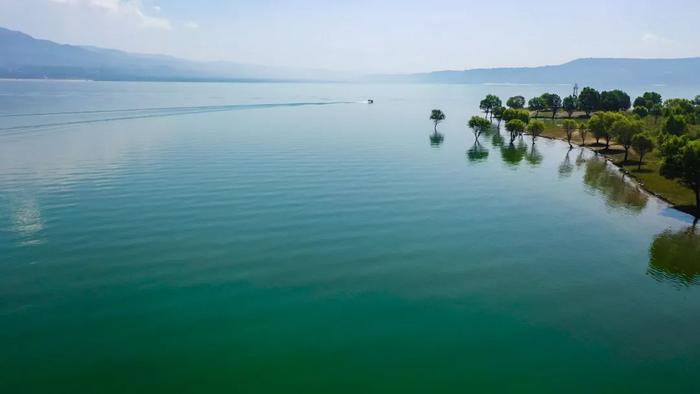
(516,102)
(614,100)
(553,103)
(596,124)
(675,124)
(641,111)
(643,143)
(515,127)
(648,100)
(498,114)
(437,116)
(522,114)
(679,106)
(536,104)
(489,103)
(624,130)
(535,128)
(610,118)
(696,100)
(479,126)
(569,104)
(582,132)
(569,127)
(589,100)
(681,160)
(656,111)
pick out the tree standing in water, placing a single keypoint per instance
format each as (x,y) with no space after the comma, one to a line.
(515,127)
(437,116)
(479,126)
(569,128)
(535,128)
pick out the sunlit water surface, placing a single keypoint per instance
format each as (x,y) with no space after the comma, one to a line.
(161,237)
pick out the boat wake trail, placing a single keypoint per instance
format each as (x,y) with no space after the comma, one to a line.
(141,113)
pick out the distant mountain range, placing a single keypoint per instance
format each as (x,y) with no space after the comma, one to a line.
(22,56)
(596,71)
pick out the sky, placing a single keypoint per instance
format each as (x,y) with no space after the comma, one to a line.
(391,36)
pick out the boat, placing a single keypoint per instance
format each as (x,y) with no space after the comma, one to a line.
(370,101)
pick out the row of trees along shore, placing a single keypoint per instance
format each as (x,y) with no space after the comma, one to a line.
(670,129)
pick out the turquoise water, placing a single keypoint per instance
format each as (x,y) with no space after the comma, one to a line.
(290,238)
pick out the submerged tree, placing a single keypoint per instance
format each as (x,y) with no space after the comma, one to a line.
(490,102)
(479,126)
(569,127)
(642,143)
(535,128)
(437,116)
(515,127)
(498,114)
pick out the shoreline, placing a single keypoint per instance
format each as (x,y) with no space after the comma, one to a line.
(625,172)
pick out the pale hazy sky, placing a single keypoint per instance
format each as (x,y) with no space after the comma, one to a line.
(363,35)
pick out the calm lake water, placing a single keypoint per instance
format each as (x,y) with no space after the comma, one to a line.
(160,237)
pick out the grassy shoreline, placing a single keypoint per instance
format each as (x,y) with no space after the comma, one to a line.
(648,177)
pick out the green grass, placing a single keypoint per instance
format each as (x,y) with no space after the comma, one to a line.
(648,176)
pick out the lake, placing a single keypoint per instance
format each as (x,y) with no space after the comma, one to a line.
(170,237)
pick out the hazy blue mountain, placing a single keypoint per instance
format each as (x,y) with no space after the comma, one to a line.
(22,56)
(583,71)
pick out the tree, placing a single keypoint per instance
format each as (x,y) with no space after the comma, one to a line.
(479,126)
(643,143)
(437,116)
(569,127)
(536,104)
(615,100)
(522,114)
(589,100)
(675,124)
(569,105)
(648,100)
(552,102)
(498,114)
(489,103)
(609,118)
(582,131)
(515,127)
(535,128)
(656,111)
(696,100)
(596,125)
(641,111)
(682,161)
(516,102)
(624,131)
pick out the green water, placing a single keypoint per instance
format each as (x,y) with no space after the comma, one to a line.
(215,238)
